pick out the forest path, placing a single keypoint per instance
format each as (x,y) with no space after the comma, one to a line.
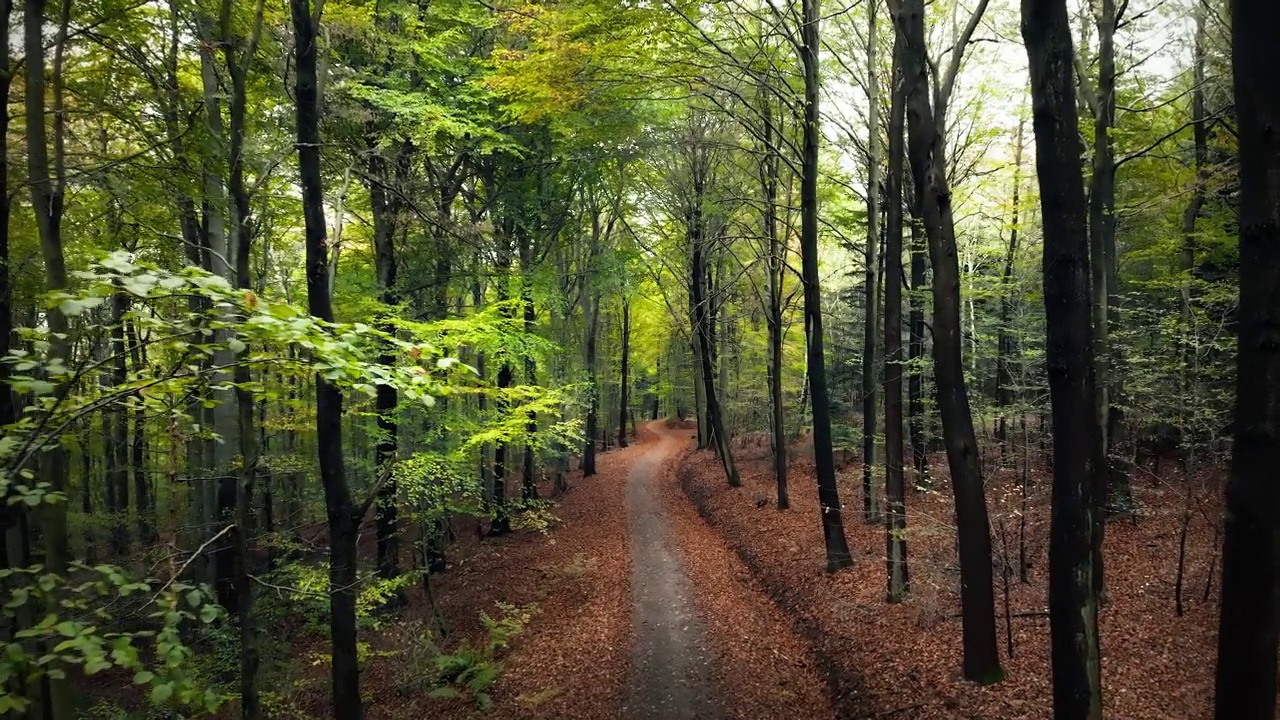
(671,673)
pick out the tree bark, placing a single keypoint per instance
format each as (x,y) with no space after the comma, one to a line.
(981,656)
(386,512)
(343,522)
(47,197)
(1078,449)
(625,384)
(1005,346)
(871,282)
(1249,623)
(915,347)
(837,546)
(776,266)
(895,490)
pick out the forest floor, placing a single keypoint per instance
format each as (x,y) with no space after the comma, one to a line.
(638,609)
(660,592)
(903,661)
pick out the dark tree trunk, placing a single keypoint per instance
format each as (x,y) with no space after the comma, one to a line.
(528,487)
(1250,610)
(118,435)
(344,523)
(895,485)
(1077,444)
(915,348)
(871,282)
(1005,346)
(981,656)
(592,318)
(776,263)
(501,523)
(837,546)
(625,384)
(386,513)
(144,500)
(703,322)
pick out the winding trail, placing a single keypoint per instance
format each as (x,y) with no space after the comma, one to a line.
(671,674)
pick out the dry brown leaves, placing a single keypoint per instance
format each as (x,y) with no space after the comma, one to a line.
(903,661)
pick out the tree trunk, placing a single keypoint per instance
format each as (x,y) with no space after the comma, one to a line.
(1250,615)
(1077,443)
(528,486)
(344,522)
(776,265)
(47,196)
(625,384)
(915,348)
(871,283)
(703,322)
(591,315)
(1005,346)
(895,490)
(981,656)
(386,512)
(837,546)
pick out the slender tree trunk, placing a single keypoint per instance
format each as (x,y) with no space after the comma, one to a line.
(344,522)
(1005,346)
(837,546)
(915,348)
(981,656)
(625,384)
(47,197)
(1077,443)
(386,402)
(1249,624)
(703,322)
(591,315)
(776,264)
(895,485)
(529,487)
(871,283)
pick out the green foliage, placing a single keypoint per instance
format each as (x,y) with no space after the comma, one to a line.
(78,613)
(470,669)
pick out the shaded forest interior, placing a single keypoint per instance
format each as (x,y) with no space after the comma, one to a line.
(936,339)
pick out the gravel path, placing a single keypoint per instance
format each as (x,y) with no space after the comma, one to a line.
(671,674)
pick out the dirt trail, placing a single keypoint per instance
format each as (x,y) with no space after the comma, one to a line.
(671,671)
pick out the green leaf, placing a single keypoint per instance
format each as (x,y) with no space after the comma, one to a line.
(160,694)
(143,677)
(208,613)
(236,345)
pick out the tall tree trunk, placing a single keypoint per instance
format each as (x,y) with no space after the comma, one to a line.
(239,246)
(895,485)
(915,347)
(387,399)
(1005,346)
(1249,623)
(344,522)
(528,485)
(1077,443)
(625,383)
(501,523)
(981,657)
(703,322)
(837,546)
(47,196)
(118,437)
(776,264)
(871,283)
(591,316)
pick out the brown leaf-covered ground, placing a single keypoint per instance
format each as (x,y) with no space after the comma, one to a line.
(903,661)
(573,659)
